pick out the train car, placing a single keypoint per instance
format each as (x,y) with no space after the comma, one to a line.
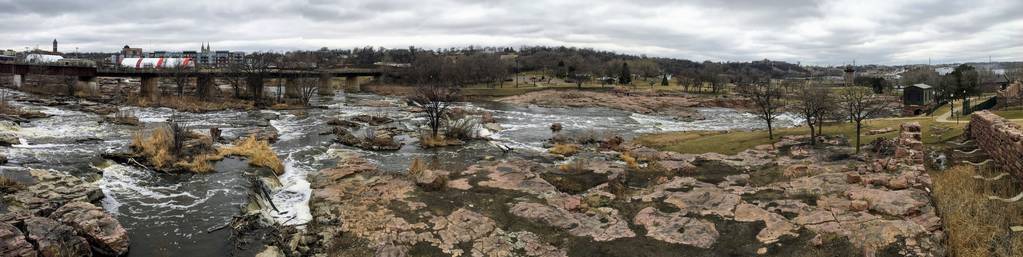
(157,63)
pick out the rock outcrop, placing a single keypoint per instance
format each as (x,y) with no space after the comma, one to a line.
(106,235)
(58,219)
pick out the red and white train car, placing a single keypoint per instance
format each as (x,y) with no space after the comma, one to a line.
(157,63)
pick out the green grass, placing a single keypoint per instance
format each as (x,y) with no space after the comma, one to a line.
(1011,114)
(697,142)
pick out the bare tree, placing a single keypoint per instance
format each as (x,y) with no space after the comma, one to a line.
(814,103)
(180,77)
(308,87)
(234,78)
(257,68)
(435,99)
(859,104)
(767,100)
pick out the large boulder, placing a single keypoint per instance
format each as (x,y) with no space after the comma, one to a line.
(105,233)
(54,239)
(13,243)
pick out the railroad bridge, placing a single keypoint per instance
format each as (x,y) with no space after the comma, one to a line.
(150,78)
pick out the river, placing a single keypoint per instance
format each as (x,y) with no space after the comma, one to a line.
(177,215)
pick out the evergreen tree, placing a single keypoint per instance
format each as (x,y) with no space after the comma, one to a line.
(664,80)
(626,77)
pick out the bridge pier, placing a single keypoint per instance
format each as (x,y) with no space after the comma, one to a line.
(352,85)
(150,87)
(292,89)
(87,85)
(18,80)
(325,87)
(204,86)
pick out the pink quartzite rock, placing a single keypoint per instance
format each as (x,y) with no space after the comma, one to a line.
(13,242)
(677,229)
(105,233)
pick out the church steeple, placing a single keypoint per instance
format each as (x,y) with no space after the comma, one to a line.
(54,45)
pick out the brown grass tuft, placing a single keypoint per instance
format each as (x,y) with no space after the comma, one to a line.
(977,226)
(564,149)
(156,148)
(258,152)
(629,160)
(577,166)
(191,103)
(8,185)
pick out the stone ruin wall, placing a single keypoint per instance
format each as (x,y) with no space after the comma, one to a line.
(1000,138)
(1011,95)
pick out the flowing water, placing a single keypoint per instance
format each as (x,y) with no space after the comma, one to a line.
(179,215)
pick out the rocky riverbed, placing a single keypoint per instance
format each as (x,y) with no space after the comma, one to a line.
(516,194)
(786,199)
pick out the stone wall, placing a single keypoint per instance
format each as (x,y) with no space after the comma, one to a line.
(1011,95)
(1000,138)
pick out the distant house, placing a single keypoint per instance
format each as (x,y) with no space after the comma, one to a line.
(917,98)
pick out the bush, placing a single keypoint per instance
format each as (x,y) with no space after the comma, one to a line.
(462,129)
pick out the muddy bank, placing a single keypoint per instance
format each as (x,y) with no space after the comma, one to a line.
(787,199)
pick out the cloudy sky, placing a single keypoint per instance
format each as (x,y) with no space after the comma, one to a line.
(806,31)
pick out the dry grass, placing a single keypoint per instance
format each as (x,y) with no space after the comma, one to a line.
(8,185)
(416,167)
(157,148)
(427,140)
(977,226)
(564,149)
(191,103)
(125,117)
(258,152)
(629,160)
(576,166)
(199,164)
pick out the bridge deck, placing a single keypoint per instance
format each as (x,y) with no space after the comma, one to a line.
(82,71)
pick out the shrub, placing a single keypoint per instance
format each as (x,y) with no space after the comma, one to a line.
(462,129)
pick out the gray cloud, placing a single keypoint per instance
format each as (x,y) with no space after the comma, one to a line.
(807,31)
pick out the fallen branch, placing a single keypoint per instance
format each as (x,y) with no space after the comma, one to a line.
(1009,200)
(1000,176)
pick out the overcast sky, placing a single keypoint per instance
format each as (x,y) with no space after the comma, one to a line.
(811,32)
